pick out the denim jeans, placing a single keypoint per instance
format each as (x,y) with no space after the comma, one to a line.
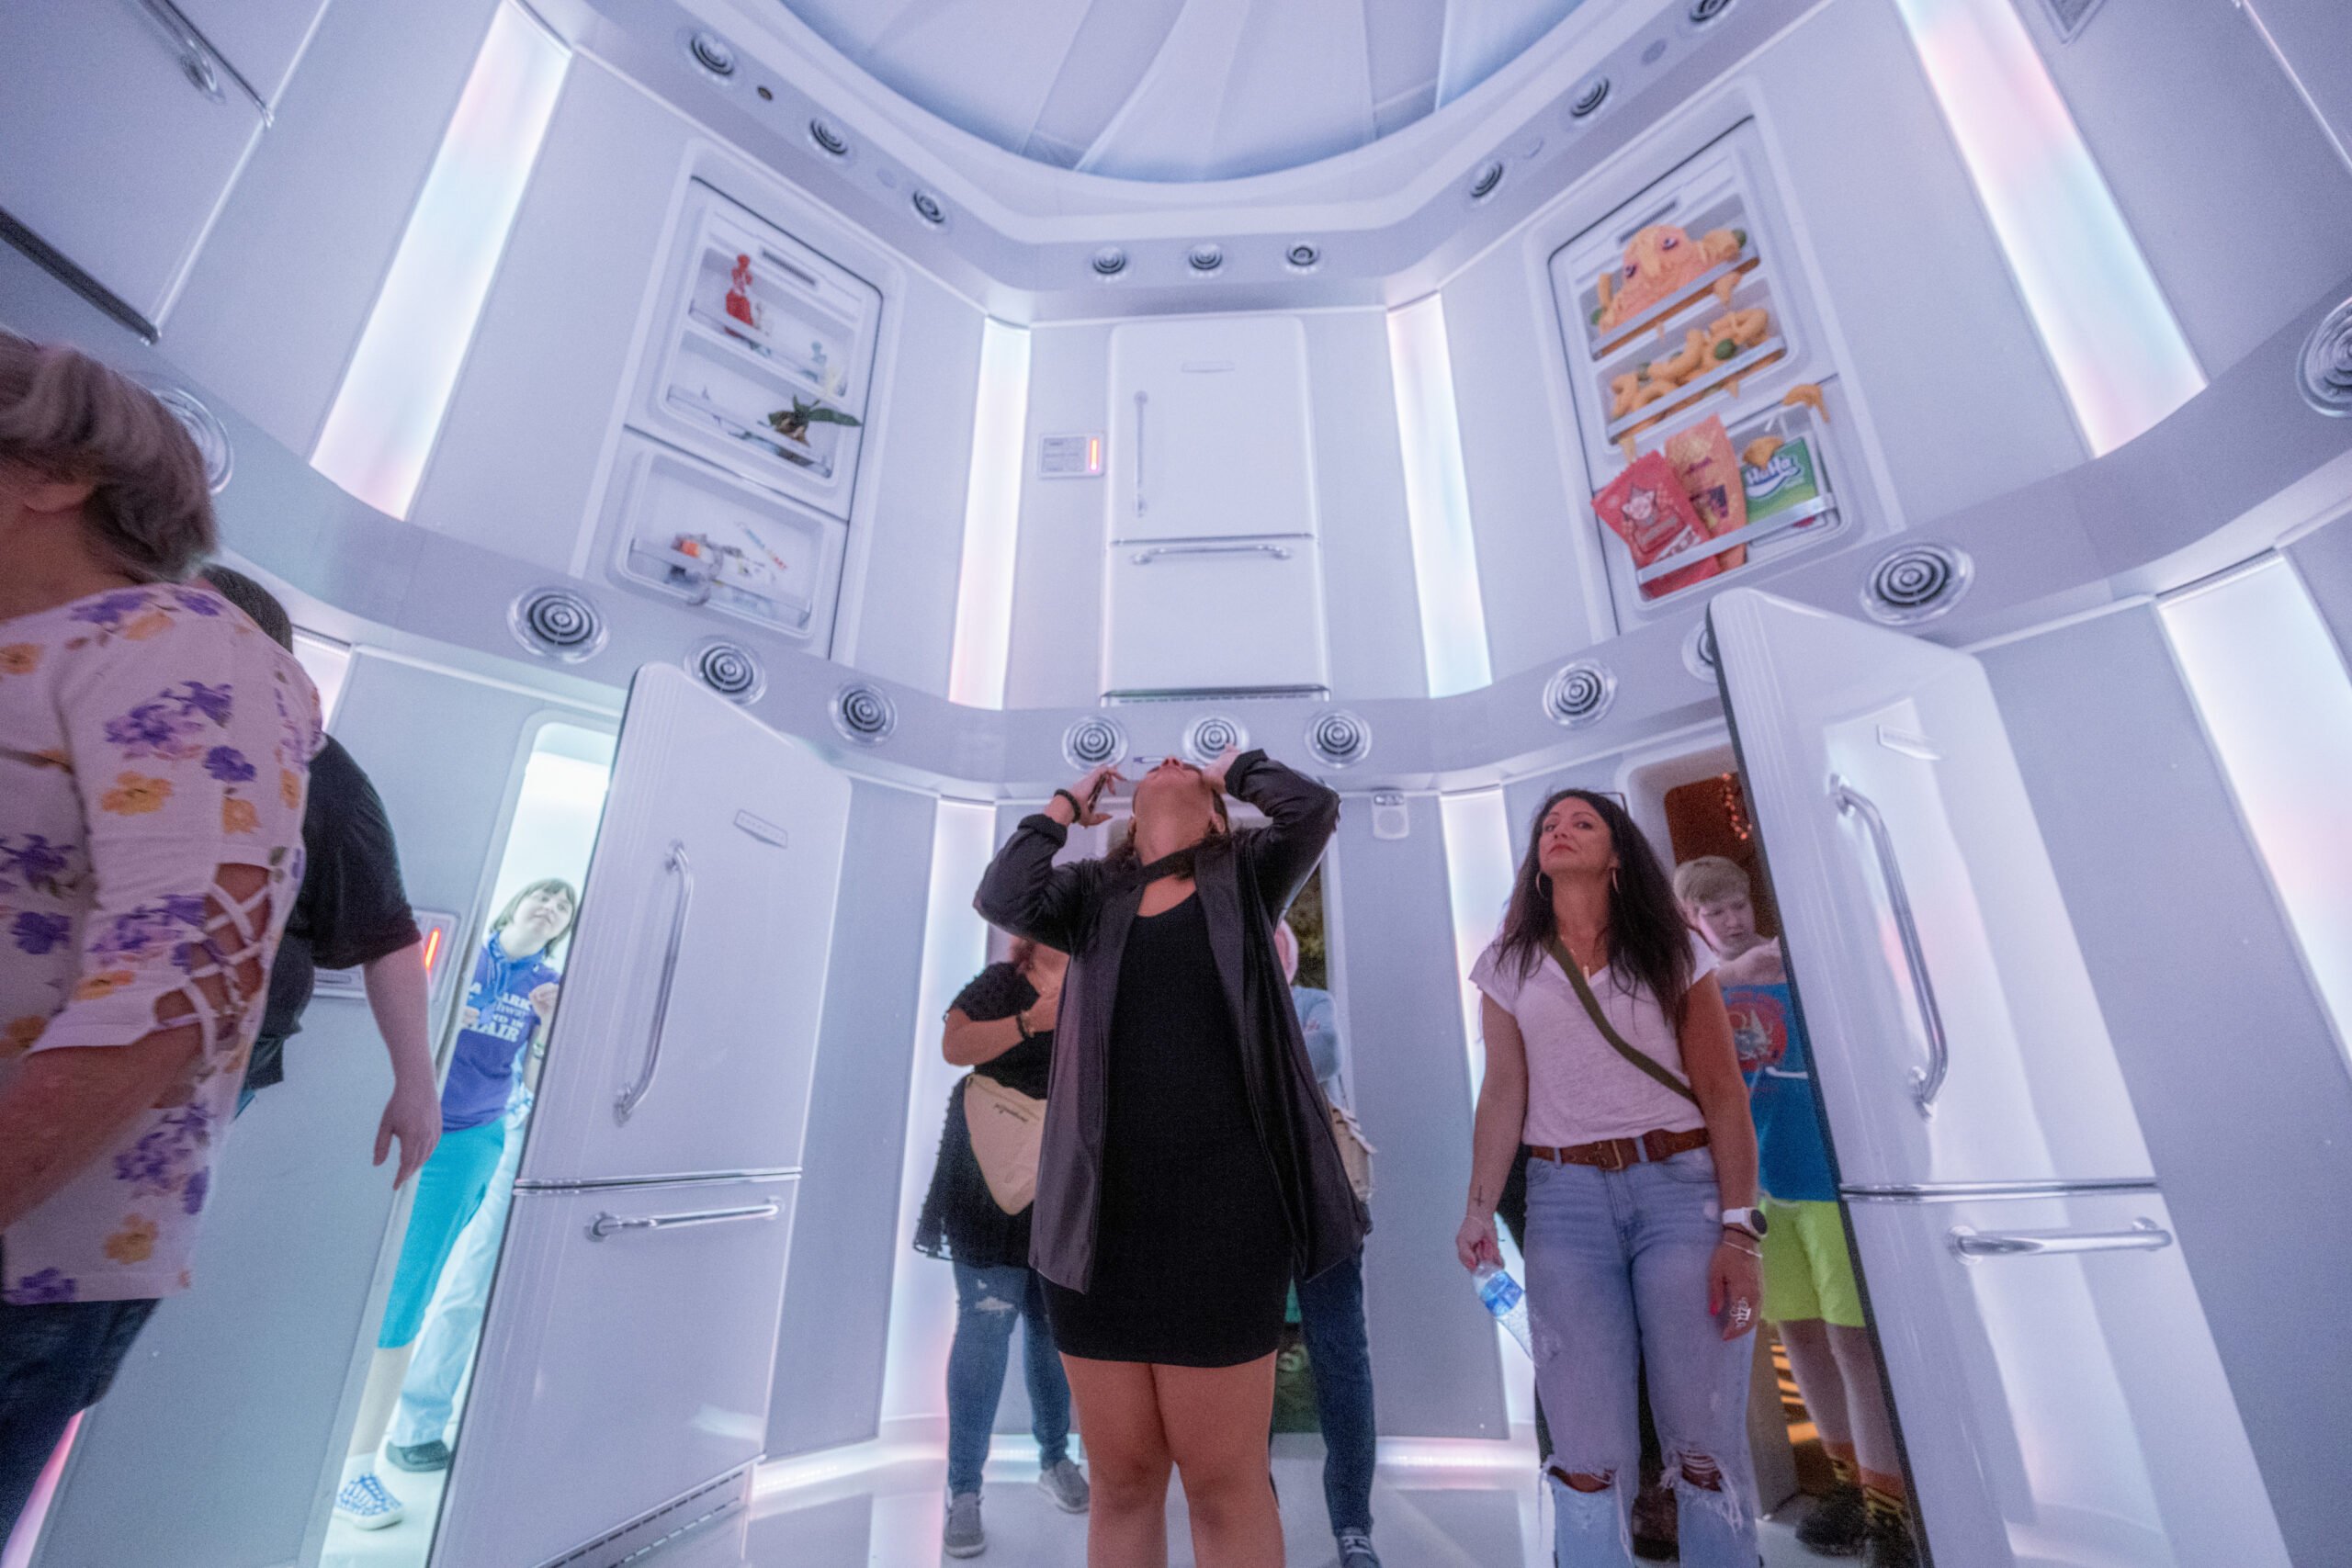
(1617,1266)
(989,1302)
(452,1324)
(56,1360)
(1330,1313)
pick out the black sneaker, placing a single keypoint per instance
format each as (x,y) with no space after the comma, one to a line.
(1889,1544)
(1654,1526)
(420,1457)
(1838,1524)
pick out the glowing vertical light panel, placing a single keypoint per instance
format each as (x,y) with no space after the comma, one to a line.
(1437,500)
(2110,334)
(954,946)
(2278,703)
(991,520)
(387,411)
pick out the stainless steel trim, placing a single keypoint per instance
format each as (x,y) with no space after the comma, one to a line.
(634,1095)
(199,59)
(1144,558)
(679,1178)
(2145,1235)
(1140,401)
(1969,1191)
(1928,1081)
(607,1224)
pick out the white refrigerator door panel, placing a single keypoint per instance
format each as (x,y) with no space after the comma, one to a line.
(1213,615)
(617,1372)
(686,1034)
(2059,1395)
(1211,437)
(1930,852)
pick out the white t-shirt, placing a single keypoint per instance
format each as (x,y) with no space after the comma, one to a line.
(1580,1091)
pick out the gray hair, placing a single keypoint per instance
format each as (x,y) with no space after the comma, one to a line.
(66,416)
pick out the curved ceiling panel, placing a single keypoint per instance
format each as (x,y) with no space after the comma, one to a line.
(1181,90)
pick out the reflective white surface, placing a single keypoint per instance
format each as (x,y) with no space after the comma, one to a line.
(2032,1091)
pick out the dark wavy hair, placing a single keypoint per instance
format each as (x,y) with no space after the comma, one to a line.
(1649,946)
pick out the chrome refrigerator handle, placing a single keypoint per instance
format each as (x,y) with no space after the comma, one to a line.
(1140,401)
(199,59)
(634,1095)
(1144,558)
(1928,1081)
(2145,1235)
(607,1224)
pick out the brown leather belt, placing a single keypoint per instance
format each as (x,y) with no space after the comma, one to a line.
(1616,1154)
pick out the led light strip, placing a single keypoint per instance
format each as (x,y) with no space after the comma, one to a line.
(954,946)
(387,412)
(2110,334)
(991,520)
(1437,500)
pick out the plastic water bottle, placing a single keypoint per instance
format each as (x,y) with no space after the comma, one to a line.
(1503,1298)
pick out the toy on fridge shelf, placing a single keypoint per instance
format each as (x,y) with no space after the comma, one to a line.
(1645,507)
(1660,260)
(738,293)
(1777,476)
(1703,460)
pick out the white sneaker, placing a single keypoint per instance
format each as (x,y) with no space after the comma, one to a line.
(1065,1485)
(363,1504)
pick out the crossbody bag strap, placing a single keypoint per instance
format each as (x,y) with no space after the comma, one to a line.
(1640,1059)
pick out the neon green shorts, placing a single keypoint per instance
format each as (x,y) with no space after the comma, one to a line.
(1808,1272)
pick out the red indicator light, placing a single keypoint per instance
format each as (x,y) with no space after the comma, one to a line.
(432,948)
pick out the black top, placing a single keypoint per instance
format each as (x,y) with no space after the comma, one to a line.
(351,909)
(960,1219)
(1193,1256)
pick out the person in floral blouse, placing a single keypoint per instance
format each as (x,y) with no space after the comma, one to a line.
(154,751)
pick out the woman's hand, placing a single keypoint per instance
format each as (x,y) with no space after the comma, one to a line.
(1475,1242)
(1042,1012)
(1214,773)
(1735,1284)
(543,1003)
(1088,791)
(414,1116)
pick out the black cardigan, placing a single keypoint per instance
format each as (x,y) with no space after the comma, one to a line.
(1246,880)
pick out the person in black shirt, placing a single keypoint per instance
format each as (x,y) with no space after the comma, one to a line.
(351,912)
(1001,1026)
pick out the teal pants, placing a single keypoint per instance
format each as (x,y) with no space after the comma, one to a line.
(448,1190)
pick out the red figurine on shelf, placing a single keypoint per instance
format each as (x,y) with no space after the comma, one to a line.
(739,295)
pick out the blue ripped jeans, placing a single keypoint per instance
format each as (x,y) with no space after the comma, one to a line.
(1617,1268)
(989,1302)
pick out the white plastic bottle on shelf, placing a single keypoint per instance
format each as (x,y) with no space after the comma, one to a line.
(1503,1298)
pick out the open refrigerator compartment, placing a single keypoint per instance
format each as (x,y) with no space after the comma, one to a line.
(1712,357)
(1790,500)
(768,354)
(690,532)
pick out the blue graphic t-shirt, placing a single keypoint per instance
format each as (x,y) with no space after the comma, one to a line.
(1792,1162)
(481,1069)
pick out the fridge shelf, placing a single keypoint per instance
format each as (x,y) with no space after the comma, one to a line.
(689,531)
(1748,363)
(1755,532)
(1659,316)
(773,443)
(733,337)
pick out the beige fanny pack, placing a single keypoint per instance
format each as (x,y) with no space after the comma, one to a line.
(1008,1129)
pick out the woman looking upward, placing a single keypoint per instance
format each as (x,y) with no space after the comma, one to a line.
(1188,1171)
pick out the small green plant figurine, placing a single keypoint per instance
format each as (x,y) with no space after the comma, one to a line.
(792,423)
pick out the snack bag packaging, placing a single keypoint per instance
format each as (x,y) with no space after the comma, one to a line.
(1645,507)
(1659,260)
(1789,479)
(1703,459)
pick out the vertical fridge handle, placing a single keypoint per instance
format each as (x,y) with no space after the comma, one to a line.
(633,1096)
(1140,401)
(1928,1081)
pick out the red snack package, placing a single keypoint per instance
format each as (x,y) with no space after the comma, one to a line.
(1703,459)
(1645,507)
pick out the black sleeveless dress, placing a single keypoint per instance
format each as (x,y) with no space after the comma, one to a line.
(1193,1256)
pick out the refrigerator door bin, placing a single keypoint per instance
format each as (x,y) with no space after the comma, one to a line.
(763,357)
(648,1310)
(2057,1388)
(1791,499)
(684,528)
(1955,1033)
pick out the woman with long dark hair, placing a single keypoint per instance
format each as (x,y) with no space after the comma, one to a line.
(1610,1057)
(1188,1171)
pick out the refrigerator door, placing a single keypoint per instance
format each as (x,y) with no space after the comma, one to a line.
(622,1385)
(2057,1388)
(1267,595)
(1210,433)
(686,1032)
(1954,1031)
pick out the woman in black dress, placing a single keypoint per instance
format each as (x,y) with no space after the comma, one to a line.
(1189,1171)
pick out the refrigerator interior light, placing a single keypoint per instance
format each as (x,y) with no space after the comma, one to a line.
(2110,332)
(1437,500)
(386,415)
(991,520)
(955,947)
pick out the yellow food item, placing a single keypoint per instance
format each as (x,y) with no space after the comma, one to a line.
(1629,443)
(1620,393)
(1749,327)
(1758,452)
(1606,290)
(1718,246)
(1651,391)
(1809,394)
(1687,362)
(1725,288)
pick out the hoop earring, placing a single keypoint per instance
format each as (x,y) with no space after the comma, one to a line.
(1612,879)
(1544,881)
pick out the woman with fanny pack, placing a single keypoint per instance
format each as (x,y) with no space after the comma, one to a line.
(977,1217)
(1610,1056)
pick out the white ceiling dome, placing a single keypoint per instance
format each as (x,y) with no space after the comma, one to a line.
(1180,90)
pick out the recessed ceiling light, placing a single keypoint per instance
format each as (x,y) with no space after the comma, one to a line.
(1486,181)
(1302,256)
(713,53)
(1586,99)
(1204,258)
(927,207)
(830,143)
(1109,262)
